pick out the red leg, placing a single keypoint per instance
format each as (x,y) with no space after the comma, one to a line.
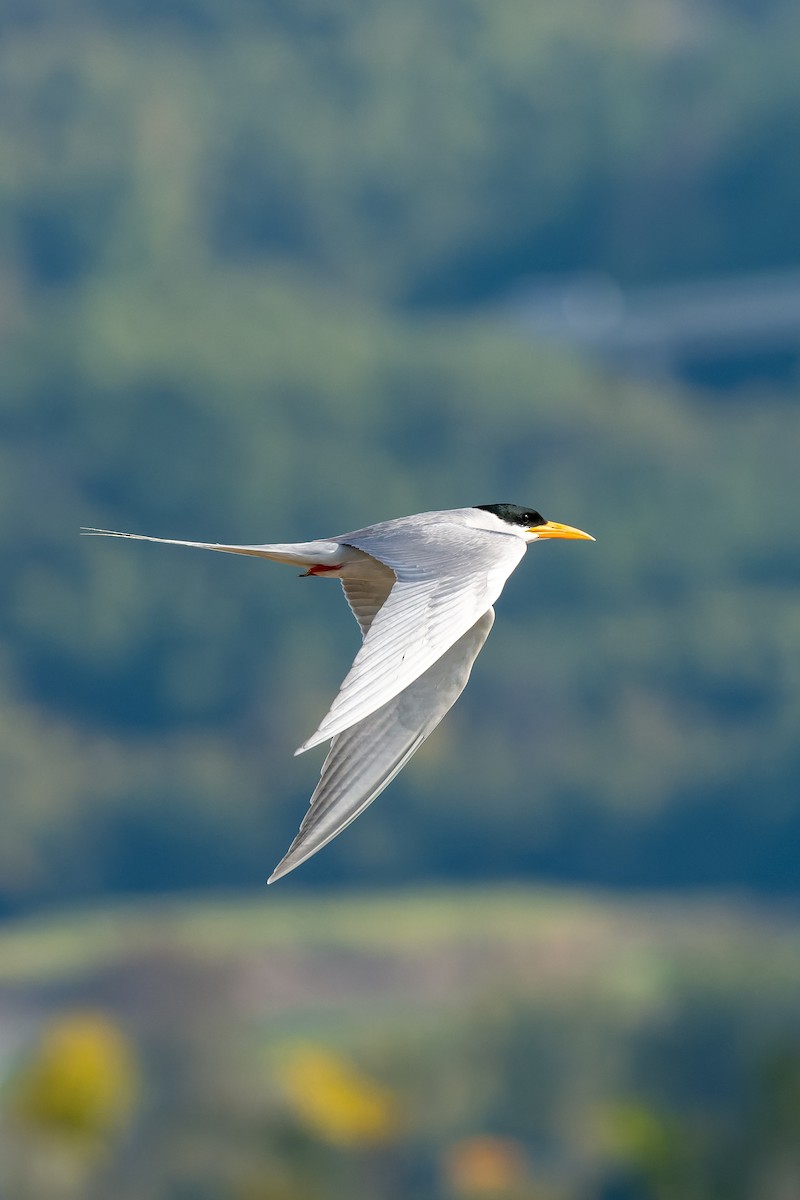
(321,570)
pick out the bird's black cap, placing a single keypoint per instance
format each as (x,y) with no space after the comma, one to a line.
(528,518)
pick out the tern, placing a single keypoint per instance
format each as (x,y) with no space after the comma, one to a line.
(422,590)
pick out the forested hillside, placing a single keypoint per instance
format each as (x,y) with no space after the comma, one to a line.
(230,231)
(410,152)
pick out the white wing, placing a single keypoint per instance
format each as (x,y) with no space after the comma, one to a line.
(447,575)
(365,758)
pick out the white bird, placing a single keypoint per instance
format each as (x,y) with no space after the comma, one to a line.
(422,590)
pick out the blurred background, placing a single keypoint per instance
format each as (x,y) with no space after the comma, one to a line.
(272,270)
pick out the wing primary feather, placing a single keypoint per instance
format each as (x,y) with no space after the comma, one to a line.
(364,759)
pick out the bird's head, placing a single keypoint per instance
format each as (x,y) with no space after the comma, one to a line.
(531,524)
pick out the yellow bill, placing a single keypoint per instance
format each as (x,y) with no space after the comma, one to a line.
(552,529)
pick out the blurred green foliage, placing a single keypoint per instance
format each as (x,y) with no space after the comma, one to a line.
(224,227)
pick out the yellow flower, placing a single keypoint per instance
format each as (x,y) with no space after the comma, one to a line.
(334,1099)
(81,1079)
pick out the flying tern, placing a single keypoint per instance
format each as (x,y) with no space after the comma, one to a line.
(422,590)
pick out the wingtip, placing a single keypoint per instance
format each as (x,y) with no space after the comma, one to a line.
(280,871)
(310,743)
(298,853)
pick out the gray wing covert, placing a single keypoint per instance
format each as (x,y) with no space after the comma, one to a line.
(368,592)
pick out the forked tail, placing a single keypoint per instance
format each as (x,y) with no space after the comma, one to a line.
(299,554)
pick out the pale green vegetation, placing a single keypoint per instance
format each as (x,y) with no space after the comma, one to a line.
(299,1048)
